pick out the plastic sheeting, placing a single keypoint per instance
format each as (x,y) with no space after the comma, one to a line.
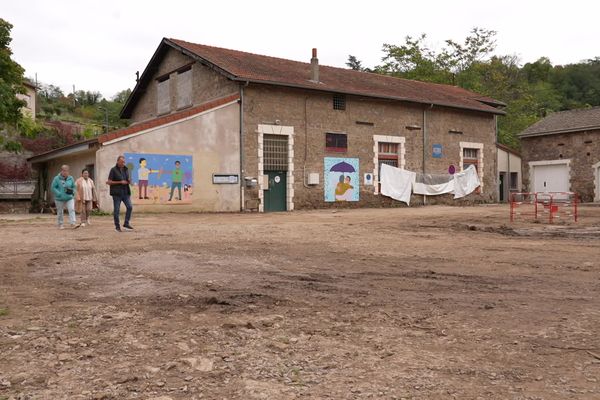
(433,184)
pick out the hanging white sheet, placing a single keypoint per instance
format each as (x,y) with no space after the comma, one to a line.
(466,182)
(433,190)
(396,183)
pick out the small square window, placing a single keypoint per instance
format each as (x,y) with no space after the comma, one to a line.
(336,142)
(339,102)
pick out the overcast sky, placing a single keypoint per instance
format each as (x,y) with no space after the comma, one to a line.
(98,45)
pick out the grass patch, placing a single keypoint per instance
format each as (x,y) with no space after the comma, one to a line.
(3,312)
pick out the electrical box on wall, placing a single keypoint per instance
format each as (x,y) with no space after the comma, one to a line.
(313,178)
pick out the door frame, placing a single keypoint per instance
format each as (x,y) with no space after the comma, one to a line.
(533,164)
(288,131)
(596,168)
(502,186)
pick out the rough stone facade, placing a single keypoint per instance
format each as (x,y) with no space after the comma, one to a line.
(582,148)
(311,115)
(207,85)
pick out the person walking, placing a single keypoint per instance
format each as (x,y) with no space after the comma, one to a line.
(85,196)
(63,188)
(119,180)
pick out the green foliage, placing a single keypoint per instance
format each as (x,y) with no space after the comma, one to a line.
(354,63)
(530,91)
(3,311)
(29,128)
(87,107)
(13,146)
(11,79)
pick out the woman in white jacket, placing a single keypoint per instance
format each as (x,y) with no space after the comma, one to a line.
(85,196)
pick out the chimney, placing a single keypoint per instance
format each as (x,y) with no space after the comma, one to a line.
(314,67)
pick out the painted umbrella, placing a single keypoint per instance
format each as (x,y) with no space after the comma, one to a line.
(342,167)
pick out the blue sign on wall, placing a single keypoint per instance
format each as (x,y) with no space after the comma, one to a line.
(437,151)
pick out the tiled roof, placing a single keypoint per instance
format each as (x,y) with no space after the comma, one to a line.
(565,121)
(242,66)
(165,119)
(258,68)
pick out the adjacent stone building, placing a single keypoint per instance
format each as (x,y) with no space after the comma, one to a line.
(561,153)
(270,134)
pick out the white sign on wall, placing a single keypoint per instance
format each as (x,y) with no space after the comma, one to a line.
(368,179)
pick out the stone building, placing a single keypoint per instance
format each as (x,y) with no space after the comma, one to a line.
(561,153)
(272,134)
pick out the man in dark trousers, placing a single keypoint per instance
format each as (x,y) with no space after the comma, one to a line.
(119,181)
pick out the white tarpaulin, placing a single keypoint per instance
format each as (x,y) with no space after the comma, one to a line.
(466,182)
(396,183)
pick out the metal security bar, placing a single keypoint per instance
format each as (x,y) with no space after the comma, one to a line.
(275,152)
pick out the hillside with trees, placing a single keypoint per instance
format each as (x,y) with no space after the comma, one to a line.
(530,91)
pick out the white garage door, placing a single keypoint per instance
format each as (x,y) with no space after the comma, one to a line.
(551,178)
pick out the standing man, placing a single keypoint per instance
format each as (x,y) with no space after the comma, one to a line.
(176,178)
(63,188)
(119,181)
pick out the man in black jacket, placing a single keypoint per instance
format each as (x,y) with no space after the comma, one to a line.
(119,181)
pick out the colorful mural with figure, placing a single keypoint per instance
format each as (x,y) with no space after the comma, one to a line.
(341,179)
(160,178)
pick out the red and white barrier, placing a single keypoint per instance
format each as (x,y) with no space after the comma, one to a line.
(541,205)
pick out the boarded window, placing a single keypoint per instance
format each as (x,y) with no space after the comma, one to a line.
(184,89)
(336,142)
(163,101)
(275,152)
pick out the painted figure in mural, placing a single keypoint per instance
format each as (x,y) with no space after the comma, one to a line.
(176,178)
(343,190)
(119,180)
(143,174)
(63,188)
(85,196)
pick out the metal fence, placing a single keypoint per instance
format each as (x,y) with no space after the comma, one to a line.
(17,189)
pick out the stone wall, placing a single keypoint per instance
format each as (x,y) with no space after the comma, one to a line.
(311,115)
(207,85)
(582,148)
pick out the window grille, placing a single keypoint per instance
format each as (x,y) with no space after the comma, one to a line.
(339,102)
(275,152)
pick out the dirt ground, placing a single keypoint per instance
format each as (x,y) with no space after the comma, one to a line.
(409,303)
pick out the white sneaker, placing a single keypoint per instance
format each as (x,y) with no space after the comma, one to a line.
(83,224)
(61,227)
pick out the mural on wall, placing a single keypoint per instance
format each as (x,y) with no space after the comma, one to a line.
(341,179)
(160,178)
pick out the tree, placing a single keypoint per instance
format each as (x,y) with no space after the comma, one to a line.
(354,63)
(11,79)
(122,96)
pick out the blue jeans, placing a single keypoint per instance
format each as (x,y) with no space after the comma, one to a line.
(117,207)
(60,206)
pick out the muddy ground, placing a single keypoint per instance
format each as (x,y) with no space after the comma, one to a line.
(419,303)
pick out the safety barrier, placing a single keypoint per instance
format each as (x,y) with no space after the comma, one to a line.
(542,205)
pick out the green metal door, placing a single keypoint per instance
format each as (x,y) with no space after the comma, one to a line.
(276,194)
